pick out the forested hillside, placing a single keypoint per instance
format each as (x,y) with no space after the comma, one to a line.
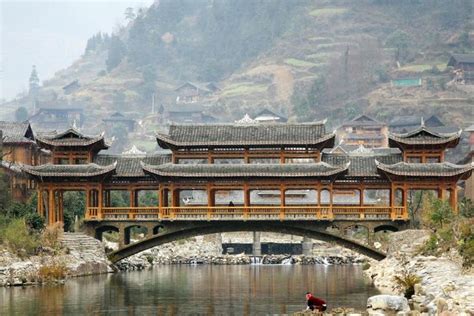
(303,58)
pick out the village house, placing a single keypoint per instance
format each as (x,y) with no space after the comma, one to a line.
(268,116)
(363,130)
(463,68)
(47,119)
(17,147)
(118,119)
(193,92)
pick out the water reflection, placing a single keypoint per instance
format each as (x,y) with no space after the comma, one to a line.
(185,290)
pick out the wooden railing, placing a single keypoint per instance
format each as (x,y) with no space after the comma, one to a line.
(300,212)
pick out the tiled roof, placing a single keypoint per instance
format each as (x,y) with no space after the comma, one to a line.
(363,120)
(204,135)
(16,132)
(462,58)
(72,138)
(130,166)
(245,170)
(424,136)
(84,170)
(362,165)
(441,169)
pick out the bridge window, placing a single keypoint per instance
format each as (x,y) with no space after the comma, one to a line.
(192,197)
(265,197)
(301,197)
(300,160)
(228,161)
(147,198)
(377,197)
(191,161)
(224,197)
(346,197)
(119,198)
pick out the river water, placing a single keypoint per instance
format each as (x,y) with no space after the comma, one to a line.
(194,290)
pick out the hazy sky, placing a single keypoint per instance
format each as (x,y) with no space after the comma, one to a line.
(51,35)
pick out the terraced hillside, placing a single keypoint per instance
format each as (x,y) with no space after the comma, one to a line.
(309,60)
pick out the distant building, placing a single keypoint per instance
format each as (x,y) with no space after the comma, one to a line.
(57,118)
(187,113)
(71,87)
(463,65)
(406,82)
(192,92)
(268,116)
(18,146)
(409,122)
(118,119)
(363,130)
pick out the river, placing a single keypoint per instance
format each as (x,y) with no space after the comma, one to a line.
(194,290)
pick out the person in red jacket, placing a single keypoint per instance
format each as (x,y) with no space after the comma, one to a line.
(315,303)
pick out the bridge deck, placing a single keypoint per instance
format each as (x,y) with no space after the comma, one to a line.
(239,213)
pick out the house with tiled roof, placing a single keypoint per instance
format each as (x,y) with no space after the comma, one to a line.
(363,130)
(18,146)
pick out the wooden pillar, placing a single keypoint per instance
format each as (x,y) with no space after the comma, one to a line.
(331,215)
(160,200)
(246,200)
(100,203)
(282,155)
(361,201)
(60,206)
(210,200)
(246,155)
(453,198)
(441,192)
(282,201)
(39,201)
(51,211)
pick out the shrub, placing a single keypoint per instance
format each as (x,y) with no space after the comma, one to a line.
(52,272)
(35,221)
(407,282)
(18,238)
(51,236)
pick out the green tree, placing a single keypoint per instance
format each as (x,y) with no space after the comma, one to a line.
(21,114)
(5,197)
(441,212)
(115,53)
(401,41)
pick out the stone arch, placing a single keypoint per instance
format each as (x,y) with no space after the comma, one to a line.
(157,229)
(105,228)
(178,230)
(385,228)
(128,231)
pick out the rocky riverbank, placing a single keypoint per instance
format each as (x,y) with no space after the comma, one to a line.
(445,288)
(79,255)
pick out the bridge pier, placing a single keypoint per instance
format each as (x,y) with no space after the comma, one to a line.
(307,246)
(257,245)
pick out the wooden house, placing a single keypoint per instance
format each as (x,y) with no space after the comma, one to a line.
(363,130)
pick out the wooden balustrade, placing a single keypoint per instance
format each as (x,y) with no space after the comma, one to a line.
(203,212)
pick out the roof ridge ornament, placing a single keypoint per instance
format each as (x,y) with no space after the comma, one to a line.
(246,120)
(134,151)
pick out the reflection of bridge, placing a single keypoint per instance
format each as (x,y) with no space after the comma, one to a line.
(158,233)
